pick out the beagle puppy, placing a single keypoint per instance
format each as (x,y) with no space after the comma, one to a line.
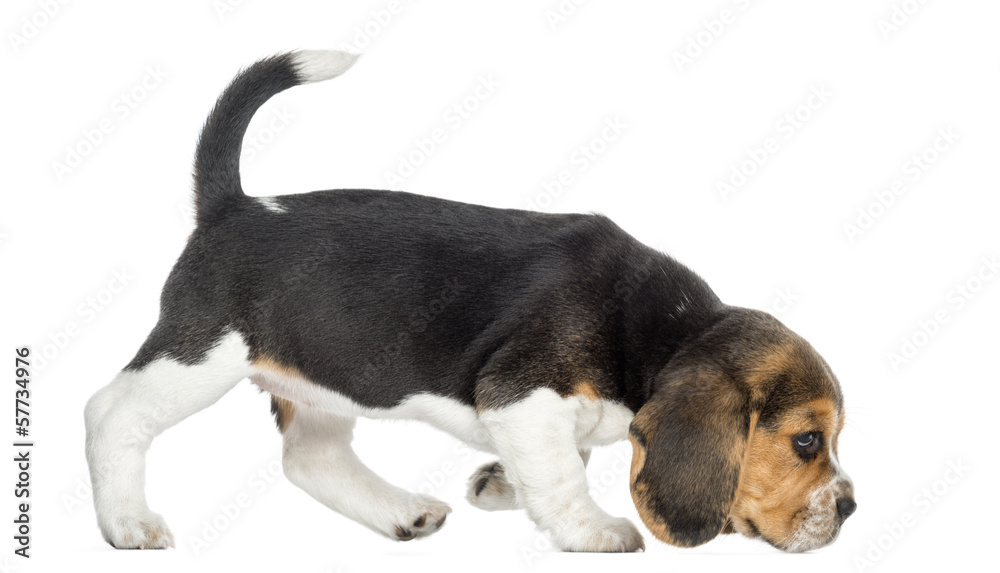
(532,336)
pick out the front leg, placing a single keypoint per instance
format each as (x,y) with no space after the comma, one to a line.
(536,441)
(489,489)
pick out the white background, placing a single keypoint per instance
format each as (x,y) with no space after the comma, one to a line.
(777,242)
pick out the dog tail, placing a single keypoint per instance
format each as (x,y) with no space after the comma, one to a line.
(217,161)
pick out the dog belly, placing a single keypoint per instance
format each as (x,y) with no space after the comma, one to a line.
(445,414)
(599,422)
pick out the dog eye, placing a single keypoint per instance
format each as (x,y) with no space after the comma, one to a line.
(808,444)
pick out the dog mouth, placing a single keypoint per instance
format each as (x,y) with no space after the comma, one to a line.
(809,535)
(747,528)
(801,543)
(814,529)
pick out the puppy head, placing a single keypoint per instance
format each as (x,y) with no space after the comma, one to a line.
(740,434)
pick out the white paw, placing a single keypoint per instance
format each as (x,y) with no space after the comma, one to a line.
(489,489)
(423,516)
(147,531)
(611,535)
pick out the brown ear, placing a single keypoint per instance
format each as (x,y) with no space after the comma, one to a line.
(688,444)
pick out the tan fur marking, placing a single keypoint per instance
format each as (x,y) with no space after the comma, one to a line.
(775,484)
(656,526)
(286,411)
(779,359)
(268,363)
(836,436)
(587,390)
(285,408)
(746,458)
(638,459)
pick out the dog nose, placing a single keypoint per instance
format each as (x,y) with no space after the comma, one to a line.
(845,507)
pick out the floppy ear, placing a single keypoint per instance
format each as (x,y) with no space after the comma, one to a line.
(688,444)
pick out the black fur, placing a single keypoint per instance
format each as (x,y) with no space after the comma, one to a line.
(380,295)
(217,162)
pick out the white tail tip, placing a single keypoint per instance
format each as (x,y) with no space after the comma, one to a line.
(318,65)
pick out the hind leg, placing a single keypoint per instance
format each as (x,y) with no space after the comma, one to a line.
(319,459)
(123,418)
